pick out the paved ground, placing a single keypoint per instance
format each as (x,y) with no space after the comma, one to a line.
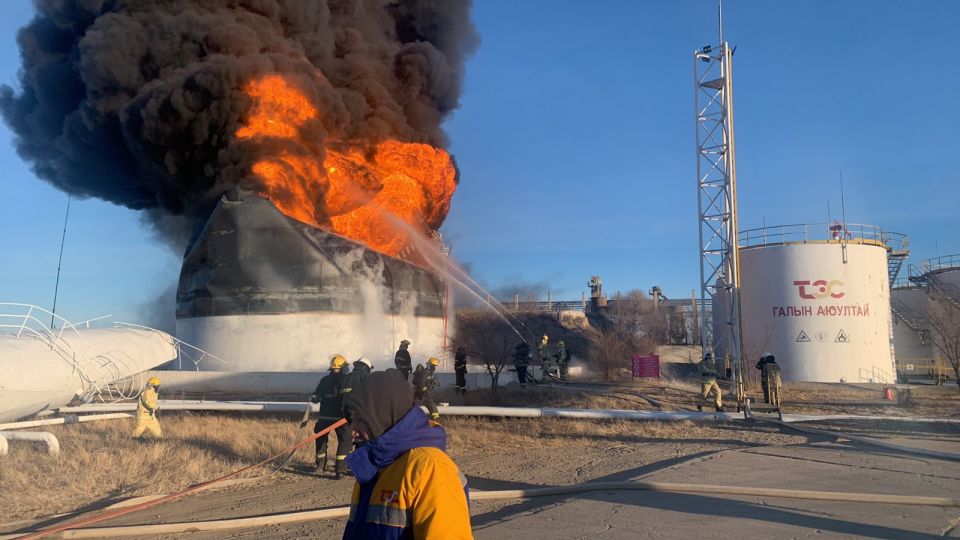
(822,466)
(518,453)
(739,455)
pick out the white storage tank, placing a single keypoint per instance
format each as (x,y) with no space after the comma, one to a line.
(819,301)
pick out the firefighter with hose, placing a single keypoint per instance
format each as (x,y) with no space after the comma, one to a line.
(423,384)
(147,408)
(328,393)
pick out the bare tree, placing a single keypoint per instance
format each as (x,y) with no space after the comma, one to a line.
(488,339)
(943,325)
(630,325)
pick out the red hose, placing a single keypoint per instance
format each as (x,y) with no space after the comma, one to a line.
(177,495)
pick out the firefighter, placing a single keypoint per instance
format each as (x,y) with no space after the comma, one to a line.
(460,368)
(361,368)
(402,359)
(423,385)
(330,397)
(563,360)
(764,379)
(521,359)
(543,352)
(770,378)
(147,408)
(407,486)
(708,383)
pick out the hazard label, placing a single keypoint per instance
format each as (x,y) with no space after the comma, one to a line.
(842,337)
(821,337)
(803,337)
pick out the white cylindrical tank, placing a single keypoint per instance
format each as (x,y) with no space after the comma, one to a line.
(821,307)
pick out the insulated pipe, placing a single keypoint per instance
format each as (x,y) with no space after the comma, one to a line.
(69,419)
(3,446)
(343,511)
(53,445)
(458,410)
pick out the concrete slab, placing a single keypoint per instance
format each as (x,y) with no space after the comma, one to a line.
(828,467)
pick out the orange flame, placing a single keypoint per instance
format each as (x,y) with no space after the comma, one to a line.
(376,195)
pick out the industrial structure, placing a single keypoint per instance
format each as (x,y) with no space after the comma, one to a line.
(717,197)
(818,299)
(936,279)
(267,292)
(43,367)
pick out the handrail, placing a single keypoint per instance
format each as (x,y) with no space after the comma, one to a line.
(944,262)
(856,233)
(183,348)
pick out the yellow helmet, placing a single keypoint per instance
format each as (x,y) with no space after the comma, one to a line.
(434,361)
(545,338)
(337,361)
(153,381)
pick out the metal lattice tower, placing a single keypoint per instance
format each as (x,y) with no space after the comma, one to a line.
(717,199)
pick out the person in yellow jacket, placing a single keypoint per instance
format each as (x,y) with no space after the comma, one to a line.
(407,486)
(147,409)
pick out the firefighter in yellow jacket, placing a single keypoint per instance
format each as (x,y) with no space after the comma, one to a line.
(147,409)
(407,487)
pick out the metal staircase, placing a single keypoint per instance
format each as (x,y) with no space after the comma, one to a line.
(902,312)
(898,249)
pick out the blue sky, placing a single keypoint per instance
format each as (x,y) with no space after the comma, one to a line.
(575,141)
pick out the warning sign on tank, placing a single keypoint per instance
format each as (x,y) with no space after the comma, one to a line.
(842,337)
(803,337)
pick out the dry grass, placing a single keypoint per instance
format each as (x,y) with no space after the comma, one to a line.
(99,461)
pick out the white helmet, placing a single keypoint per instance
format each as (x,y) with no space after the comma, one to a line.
(363,360)
(766,355)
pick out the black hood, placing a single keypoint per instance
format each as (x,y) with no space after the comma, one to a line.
(380,401)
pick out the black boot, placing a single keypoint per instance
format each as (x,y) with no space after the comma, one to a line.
(320,464)
(341,468)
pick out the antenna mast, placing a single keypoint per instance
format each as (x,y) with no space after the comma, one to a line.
(56,287)
(717,198)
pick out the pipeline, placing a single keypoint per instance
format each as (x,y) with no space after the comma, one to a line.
(69,419)
(53,445)
(663,487)
(193,489)
(457,410)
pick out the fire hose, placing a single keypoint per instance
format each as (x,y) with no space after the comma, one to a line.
(663,487)
(192,489)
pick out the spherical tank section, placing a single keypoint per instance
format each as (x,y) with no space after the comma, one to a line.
(820,306)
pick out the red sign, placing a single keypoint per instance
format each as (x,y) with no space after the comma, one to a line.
(821,289)
(646,366)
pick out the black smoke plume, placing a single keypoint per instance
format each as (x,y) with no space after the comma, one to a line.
(136,101)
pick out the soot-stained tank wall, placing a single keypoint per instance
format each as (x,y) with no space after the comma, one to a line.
(251,259)
(265,292)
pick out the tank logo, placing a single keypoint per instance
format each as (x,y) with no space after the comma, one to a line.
(819,289)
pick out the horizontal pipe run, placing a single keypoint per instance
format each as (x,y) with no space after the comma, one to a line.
(69,419)
(664,487)
(48,439)
(3,446)
(458,410)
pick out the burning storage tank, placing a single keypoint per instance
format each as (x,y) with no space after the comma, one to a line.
(266,292)
(819,300)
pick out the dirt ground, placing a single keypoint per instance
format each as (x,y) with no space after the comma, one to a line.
(100,465)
